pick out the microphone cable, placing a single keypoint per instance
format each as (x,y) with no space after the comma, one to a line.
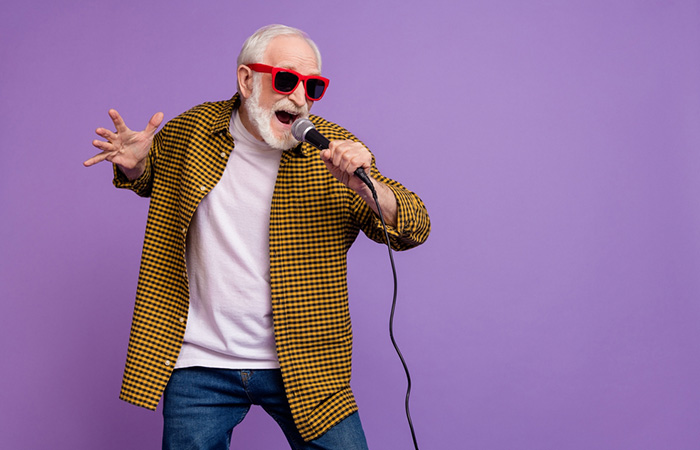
(361,174)
(304,130)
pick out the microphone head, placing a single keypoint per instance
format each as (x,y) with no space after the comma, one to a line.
(300,127)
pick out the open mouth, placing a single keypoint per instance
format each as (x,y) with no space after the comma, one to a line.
(286,117)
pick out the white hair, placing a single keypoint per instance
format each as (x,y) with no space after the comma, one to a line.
(254,47)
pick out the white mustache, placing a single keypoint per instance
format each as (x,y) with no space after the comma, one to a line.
(287,105)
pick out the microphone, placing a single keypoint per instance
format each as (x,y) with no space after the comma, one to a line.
(305,131)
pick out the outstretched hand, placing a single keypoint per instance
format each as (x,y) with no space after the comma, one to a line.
(126,148)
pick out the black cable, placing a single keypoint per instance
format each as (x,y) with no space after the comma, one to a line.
(393,310)
(304,130)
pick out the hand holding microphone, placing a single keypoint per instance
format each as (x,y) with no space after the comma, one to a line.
(343,158)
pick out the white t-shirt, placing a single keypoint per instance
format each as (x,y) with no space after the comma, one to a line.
(228,264)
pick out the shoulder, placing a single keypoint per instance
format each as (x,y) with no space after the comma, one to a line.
(206,114)
(206,111)
(331,130)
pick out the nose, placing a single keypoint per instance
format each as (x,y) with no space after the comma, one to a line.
(298,96)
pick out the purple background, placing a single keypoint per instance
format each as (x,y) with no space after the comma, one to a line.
(556,145)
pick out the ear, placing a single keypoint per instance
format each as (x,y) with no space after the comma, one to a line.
(245,80)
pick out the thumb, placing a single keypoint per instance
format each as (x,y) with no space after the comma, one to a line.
(154,123)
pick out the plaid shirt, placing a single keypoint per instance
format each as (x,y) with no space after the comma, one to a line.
(313,221)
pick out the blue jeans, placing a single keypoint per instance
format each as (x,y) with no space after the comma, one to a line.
(201,406)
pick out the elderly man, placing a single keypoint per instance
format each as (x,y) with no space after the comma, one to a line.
(242,295)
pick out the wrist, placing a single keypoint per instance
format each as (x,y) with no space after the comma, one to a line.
(134,172)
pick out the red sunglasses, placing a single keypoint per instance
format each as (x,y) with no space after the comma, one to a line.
(285,81)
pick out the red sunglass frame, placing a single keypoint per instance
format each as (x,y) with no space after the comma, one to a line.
(264,68)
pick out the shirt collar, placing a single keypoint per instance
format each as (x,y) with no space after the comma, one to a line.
(223,120)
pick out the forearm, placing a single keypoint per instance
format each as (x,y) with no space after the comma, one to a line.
(386,199)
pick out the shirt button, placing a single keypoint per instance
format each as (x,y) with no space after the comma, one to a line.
(202,188)
(167,362)
(223,154)
(182,320)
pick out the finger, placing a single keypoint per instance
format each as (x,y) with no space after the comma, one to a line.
(365,161)
(356,158)
(154,123)
(338,150)
(330,150)
(337,157)
(107,134)
(350,163)
(104,146)
(346,156)
(361,157)
(338,144)
(118,121)
(96,159)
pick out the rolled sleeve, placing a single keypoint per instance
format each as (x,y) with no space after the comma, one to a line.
(412,224)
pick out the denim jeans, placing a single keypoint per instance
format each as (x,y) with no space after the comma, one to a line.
(201,406)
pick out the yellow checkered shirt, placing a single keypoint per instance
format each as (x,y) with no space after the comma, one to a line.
(313,221)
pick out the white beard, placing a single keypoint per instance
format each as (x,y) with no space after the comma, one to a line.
(262,118)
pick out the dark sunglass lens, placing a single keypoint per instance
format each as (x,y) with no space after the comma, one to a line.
(315,88)
(286,81)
